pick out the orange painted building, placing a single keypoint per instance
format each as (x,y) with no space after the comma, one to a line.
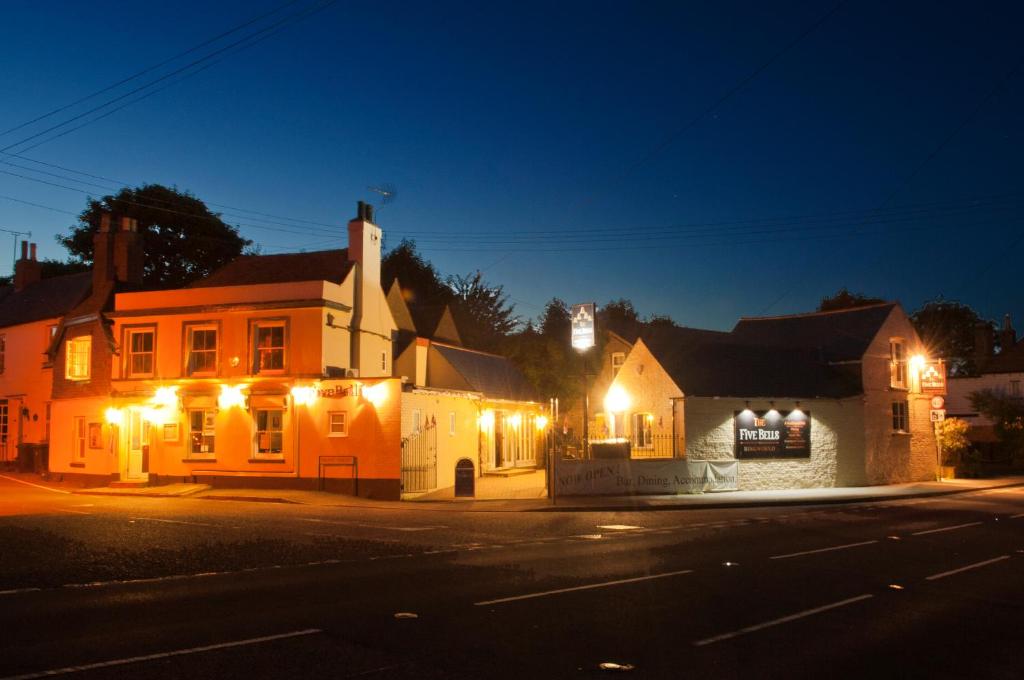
(274,370)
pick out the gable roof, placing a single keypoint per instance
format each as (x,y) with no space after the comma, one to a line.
(492,375)
(842,335)
(45,299)
(320,265)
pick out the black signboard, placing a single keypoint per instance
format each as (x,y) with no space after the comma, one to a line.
(770,434)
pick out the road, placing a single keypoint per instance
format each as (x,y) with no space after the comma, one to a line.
(100,587)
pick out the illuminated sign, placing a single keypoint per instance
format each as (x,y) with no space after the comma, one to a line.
(582,317)
(770,434)
(933,377)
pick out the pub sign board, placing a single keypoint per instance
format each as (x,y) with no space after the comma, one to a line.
(933,377)
(582,318)
(771,434)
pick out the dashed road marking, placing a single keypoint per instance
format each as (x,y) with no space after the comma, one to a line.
(559,591)
(821,550)
(779,621)
(941,529)
(944,574)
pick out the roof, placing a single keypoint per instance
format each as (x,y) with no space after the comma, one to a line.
(841,335)
(1010,361)
(320,265)
(493,376)
(706,363)
(45,299)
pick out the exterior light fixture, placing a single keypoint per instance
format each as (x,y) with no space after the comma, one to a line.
(154,416)
(541,422)
(230,396)
(486,420)
(515,420)
(114,416)
(616,400)
(917,362)
(166,396)
(375,394)
(304,395)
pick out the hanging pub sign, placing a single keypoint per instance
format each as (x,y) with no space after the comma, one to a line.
(933,377)
(770,434)
(582,318)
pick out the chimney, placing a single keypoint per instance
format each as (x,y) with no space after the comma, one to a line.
(1007,336)
(982,343)
(128,256)
(364,244)
(27,270)
(102,254)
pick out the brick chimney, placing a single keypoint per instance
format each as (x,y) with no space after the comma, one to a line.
(102,254)
(128,255)
(27,270)
(982,343)
(1007,335)
(364,245)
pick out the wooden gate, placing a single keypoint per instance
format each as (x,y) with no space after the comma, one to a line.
(419,460)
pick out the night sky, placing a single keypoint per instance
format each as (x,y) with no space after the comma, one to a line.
(706,160)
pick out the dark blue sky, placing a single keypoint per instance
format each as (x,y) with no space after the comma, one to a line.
(553,145)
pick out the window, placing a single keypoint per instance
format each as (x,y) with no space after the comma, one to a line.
(139,362)
(416,426)
(451,423)
(618,358)
(643,436)
(78,451)
(337,424)
(201,348)
(898,364)
(269,432)
(201,435)
(1014,388)
(268,353)
(899,417)
(78,353)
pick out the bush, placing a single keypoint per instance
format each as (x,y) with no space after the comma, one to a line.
(953,442)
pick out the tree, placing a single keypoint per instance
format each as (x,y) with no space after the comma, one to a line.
(1007,415)
(620,317)
(482,311)
(953,442)
(659,321)
(844,299)
(555,320)
(182,239)
(417,276)
(947,329)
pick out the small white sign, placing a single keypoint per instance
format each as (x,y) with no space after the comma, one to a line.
(938,415)
(938,402)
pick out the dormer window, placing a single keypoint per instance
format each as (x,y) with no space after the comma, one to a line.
(897,364)
(78,357)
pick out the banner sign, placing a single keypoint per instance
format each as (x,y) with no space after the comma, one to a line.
(770,434)
(582,318)
(620,477)
(933,377)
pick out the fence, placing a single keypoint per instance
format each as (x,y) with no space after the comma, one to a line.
(419,460)
(652,446)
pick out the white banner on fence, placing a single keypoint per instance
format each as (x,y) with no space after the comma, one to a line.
(620,477)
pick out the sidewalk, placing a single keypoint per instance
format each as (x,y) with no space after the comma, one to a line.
(728,499)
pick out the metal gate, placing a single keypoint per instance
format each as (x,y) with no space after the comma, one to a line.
(419,460)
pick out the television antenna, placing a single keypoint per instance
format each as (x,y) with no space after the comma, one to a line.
(387,193)
(16,234)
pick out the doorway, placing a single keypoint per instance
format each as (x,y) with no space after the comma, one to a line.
(136,467)
(499,438)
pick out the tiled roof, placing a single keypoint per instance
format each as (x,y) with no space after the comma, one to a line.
(45,299)
(491,375)
(1009,361)
(842,335)
(321,265)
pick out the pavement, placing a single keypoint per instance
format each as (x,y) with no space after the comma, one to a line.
(725,499)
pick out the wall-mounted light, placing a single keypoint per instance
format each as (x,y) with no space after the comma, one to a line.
(486,420)
(114,416)
(541,422)
(166,397)
(304,395)
(230,396)
(616,400)
(917,362)
(515,420)
(375,394)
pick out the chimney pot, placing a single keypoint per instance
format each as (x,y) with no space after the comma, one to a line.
(32,251)
(24,250)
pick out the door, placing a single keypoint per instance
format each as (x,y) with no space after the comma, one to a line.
(499,437)
(138,446)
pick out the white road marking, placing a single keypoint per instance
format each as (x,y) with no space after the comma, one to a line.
(940,529)
(618,527)
(16,591)
(821,550)
(1017,516)
(784,619)
(365,525)
(591,586)
(38,486)
(164,655)
(75,512)
(177,521)
(944,574)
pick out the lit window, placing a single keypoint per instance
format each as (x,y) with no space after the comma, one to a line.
(201,433)
(900,420)
(451,423)
(269,432)
(618,358)
(78,353)
(337,424)
(268,352)
(139,362)
(201,346)
(898,364)
(643,436)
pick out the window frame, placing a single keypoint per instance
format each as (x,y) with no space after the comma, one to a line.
(71,352)
(331,432)
(897,364)
(900,417)
(616,367)
(417,415)
(80,439)
(452,423)
(646,428)
(188,329)
(129,354)
(267,455)
(255,325)
(208,429)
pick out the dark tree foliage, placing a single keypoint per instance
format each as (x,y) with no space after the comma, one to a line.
(418,277)
(554,320)
(482,312)
(844,299)
(182,239)
(1007,414)
(659,321)
(620,317)
(947,329)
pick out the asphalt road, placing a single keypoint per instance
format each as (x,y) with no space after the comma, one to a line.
(99,587)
